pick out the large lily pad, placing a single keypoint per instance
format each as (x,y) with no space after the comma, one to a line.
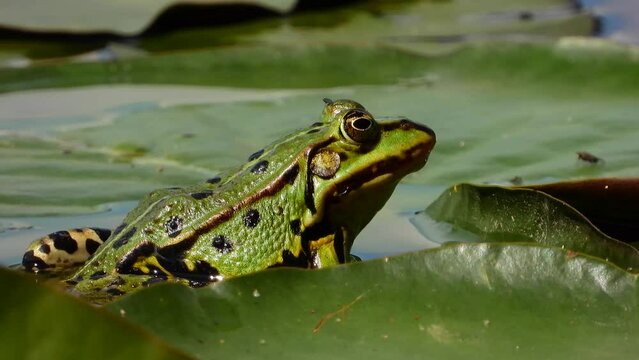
(41,323)
(480,301)
(425,27)
(124,17)
(497,214)
(611,204)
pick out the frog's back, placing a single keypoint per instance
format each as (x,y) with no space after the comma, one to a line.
(250,216)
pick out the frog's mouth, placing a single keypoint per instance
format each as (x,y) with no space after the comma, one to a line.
(392,168)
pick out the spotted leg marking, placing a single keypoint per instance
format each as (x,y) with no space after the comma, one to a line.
(63,249)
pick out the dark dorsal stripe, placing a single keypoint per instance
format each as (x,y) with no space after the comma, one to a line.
(290,175)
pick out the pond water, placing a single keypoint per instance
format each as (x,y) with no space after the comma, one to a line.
(619,18)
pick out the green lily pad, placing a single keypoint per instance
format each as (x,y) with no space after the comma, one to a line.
(39,322)
(480,301)
(497,214)
(125,18)
(426,27)
(611,204)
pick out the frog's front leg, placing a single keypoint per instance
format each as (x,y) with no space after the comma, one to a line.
(330,250)
(63,249)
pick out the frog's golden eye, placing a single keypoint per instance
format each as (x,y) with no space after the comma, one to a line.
(360,127)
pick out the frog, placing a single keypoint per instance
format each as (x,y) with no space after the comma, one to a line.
(298,202)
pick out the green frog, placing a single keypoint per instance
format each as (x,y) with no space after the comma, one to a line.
(300,201)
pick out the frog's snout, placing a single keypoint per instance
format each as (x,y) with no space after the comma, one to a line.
(410,125)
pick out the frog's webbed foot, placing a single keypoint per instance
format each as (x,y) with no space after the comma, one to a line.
(63,249)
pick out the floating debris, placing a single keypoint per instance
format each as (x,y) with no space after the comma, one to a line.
(588,157)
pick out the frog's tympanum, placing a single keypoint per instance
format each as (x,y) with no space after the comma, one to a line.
(298,202)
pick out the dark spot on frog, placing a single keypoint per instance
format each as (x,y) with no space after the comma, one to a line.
(214,180)
(118,281)
(155,271)
(173,226)
(296,227)
(144,250)
(316,124)
(91,246)
(327,101)
(103,234)
(32,262)
(73,281)
(153,280)
(97,275)
(202,194)
(62,241)
(260,167)
(342,156)
(291,174)
(288,259)
(312,131)
(118,229)
(124,238)
(251,218)
(255,155)
(222,244)
(44,248)
(203,274)
(198,283)
(114,292)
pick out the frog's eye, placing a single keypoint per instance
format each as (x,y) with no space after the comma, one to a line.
(360,127)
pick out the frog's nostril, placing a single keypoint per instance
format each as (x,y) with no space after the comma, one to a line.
(409,125)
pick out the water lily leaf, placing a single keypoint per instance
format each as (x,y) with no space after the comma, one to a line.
(39,322)
(497,214)
(125,18)
(480,301)
(426,27)
(611,204)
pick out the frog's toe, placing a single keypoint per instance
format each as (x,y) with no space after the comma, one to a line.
(63,249)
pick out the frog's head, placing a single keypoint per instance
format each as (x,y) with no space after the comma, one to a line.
(353,173)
